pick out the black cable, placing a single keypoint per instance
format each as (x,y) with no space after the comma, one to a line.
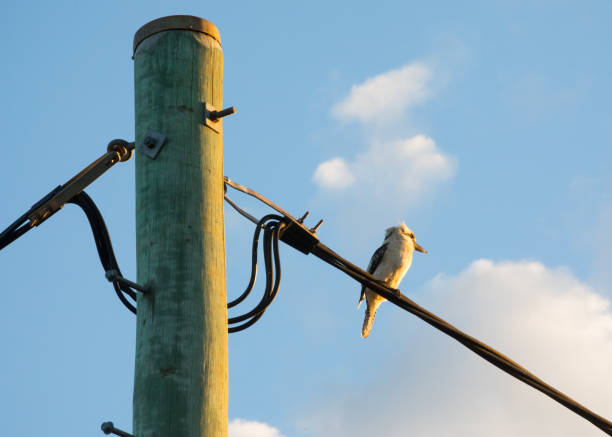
(270,296)
(483,350)
(11,236)
(104,246)
(18,228)
(396,297)
(269,291)
(255,248)
(273,274)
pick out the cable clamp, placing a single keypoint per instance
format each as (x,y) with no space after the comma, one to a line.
(114,276)
(298,236)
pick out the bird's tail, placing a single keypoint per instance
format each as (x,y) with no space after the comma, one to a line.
(368,321)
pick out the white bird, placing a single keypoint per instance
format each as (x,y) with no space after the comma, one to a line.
(389,264)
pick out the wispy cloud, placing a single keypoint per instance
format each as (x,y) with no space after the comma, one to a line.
(334,174)
(546,319)
(391,173)
(247,428)
(401,170)
(386,96)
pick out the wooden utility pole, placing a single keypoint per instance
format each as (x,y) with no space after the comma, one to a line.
(180,382)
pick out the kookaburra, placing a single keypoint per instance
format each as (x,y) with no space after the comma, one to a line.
(389,264)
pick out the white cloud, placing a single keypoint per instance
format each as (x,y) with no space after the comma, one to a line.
(333,174)
(247,428)
(556,326)
(386,96)
(398,171)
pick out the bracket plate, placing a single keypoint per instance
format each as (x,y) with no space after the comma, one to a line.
(215,124)
(152,143)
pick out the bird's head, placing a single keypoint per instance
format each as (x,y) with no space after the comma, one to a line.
(404,232)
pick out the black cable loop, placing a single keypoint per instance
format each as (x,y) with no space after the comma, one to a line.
(255,248)
(270,295)
(268,273)
(270,230)
(124,301)
(104,245)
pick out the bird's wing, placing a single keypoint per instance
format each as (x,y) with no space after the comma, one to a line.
(374,262)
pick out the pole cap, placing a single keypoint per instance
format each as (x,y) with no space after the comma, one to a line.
(176,22)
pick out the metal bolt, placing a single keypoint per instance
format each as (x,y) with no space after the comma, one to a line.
(313,230)
(149,142)
(301,219)
(215,115)
(109,428)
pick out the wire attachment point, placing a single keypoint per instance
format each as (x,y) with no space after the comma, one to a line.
(122,147)
(298,236)
(115,276)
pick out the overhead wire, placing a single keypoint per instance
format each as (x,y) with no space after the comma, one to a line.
(73,192)
(483,350)
(19,226)
(396,297)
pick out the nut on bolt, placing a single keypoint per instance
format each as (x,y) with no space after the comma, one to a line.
(109,428)
(216,115)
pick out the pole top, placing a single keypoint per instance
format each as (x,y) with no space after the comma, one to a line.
(176,22)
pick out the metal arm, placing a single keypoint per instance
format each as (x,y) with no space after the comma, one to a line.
(117,150)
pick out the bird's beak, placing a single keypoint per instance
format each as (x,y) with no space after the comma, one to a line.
(418,247)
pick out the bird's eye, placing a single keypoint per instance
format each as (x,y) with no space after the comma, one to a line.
(412,236)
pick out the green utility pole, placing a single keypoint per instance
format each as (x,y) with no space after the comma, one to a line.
(180,382)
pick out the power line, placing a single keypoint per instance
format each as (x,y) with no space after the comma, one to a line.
(72,192)
(300,234)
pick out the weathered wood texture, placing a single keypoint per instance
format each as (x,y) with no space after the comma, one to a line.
(180,383)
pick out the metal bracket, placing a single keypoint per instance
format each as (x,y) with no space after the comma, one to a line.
(212,118)
(152,143)
(117,150)
(109,428)
(298,236)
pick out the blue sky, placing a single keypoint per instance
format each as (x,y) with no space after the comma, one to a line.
(485,126)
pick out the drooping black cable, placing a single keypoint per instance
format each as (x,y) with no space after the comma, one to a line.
(273,274)
(254,251)
(267,251)
(269,296)
(258,310)
(104,246)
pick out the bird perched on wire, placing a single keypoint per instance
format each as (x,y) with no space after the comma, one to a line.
(389,264)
